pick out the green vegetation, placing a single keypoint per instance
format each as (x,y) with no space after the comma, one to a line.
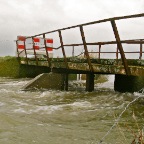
(100,78)
(10,67)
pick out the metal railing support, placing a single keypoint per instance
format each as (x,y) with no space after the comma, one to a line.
(25,52)
(117,52)
(85,48)
(34,51)
(117,37)
(73,51)
(63,50)
(141,51)
(47,54)
(17,51)
(99,51)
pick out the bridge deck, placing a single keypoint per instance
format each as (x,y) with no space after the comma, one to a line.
(100,66)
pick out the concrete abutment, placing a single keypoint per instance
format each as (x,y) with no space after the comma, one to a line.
(90,82)
(56,81)
(124,83)
(59,81)
(46,81)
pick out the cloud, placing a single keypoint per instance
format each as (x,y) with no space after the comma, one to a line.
(30,17)
(90,10)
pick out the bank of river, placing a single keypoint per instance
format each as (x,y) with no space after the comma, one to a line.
(10,67)
(73,117)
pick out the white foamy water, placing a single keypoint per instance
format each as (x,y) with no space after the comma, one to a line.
(58,117)
(109,84)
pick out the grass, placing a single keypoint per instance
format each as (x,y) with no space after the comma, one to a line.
(137,135)
(9,67)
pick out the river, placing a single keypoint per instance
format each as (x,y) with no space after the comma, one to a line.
(68,117)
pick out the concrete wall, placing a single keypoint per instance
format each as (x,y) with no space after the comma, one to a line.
(45,81)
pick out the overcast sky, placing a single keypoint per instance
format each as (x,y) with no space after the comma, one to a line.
(30,17)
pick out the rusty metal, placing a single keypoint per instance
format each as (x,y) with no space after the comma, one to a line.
(95,22)
(47,54)
(141,51)
(124,52)
(25,53)
(117,52)
(109,42)
(73,51)
(118,42)
(120,47)
(99,51)
(85,48)
(63,50)
(35,52)
(17,49)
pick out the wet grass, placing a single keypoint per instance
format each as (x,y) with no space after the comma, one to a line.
(9,67)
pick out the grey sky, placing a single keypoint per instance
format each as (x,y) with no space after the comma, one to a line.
(30,17)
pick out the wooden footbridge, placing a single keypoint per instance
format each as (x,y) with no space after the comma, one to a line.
(87,62)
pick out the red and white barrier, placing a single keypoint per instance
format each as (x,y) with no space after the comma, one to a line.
(49,44)
(36,44)
(20,43)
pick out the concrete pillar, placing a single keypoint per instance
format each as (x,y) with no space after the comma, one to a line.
(89,82)
(125,83)
(64,85)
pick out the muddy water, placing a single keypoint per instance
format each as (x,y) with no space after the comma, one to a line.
(73,117)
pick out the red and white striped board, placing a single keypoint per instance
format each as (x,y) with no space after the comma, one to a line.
(49,44)
(20,43)
(36,43)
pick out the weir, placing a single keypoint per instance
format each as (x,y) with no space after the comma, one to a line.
(128,72)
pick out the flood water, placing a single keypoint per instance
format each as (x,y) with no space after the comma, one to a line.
(73,117)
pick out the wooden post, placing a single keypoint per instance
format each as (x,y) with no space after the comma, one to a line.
(47,54)
(89,82)
(63,51)
(85,48)
(120,47)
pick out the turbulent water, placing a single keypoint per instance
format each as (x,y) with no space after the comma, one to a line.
(73,117)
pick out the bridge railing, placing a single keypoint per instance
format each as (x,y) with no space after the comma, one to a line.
(85,45)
